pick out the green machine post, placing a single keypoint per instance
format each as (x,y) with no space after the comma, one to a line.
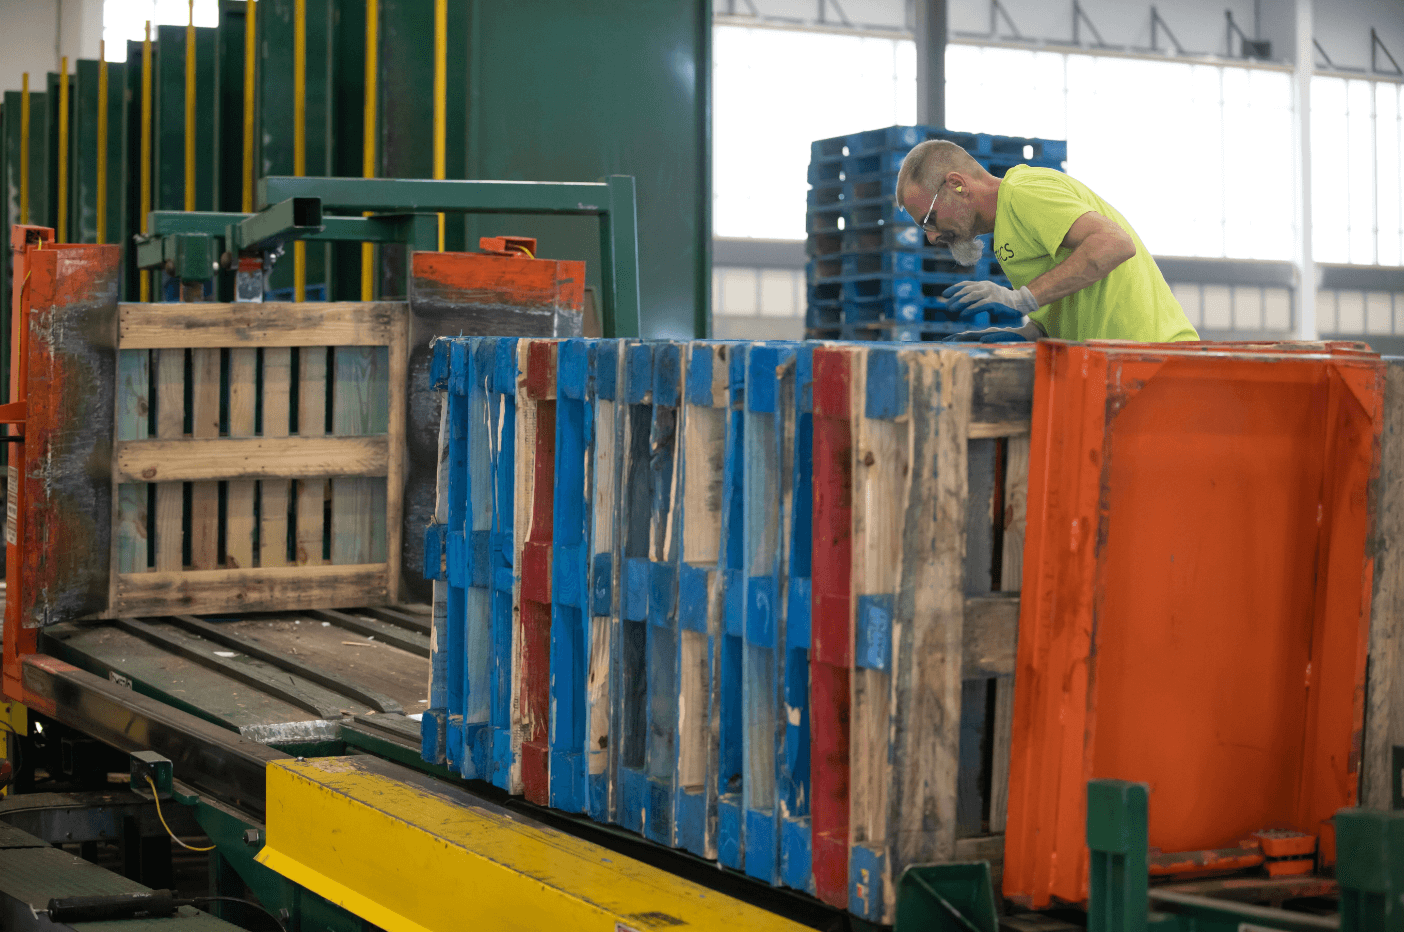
(1370,870)
(1117,833)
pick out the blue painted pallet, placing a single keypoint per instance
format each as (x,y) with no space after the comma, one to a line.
(700,594)
(502,433)
(434,721)
(917,286)
(570,574)
(887,312)
(604,480)
(899,262)
(475,562)
(888,331)
(767,497)
(669,372)
(905,137)
(887,236)
(630,698)
(731,720)
(792,778)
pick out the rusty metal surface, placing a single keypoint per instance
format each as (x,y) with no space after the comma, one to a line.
(66,524)
(453,294)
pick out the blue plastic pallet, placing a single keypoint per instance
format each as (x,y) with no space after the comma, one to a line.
(977,144)
(888,236)
(900,262)
(875,165)
(895,287)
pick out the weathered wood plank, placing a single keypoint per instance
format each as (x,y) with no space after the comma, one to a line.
(601,747)
(204,496)
(990,639)
(1001,394)
(268,324)
(133,401)
(360,407)
(252,458)
(1384,713)
(264,589)
(311,422)
(273,492)
(396,478)
(239,495)
(170,424)
(729,715)
(1016,499)
(502,433)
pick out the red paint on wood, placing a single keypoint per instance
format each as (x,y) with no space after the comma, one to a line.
(832,633)
(484,279)
(538,382)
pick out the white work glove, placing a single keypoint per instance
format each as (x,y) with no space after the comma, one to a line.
(967,295)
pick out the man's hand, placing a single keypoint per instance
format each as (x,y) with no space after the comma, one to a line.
(1030,331)
(982,295)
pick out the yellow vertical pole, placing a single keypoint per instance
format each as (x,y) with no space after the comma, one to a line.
(190,110)
(250,60)
(102,144)
(63,151)
(440,96)
(299,134)
(24,150)
(145,277)
(368,139)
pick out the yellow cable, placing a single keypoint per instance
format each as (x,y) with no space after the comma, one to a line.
(528,252)
(156,797)
(102,144)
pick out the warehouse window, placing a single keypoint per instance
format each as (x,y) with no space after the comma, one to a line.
(1357,134)
(1197,157)
(775,91)
(125,20)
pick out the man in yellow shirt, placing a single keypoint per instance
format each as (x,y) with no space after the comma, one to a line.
(1078,269)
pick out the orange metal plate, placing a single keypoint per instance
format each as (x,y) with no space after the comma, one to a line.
(1195,597)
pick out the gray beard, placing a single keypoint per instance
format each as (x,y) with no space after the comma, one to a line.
(968,251)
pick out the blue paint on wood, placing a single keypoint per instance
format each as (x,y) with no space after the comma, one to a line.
(796,856)
(434,551)
(480,556)
(457,560)
(667,374)
(439,365)
(692,597)
(456,493)
(865,887)
(502,431)
(636,588)
(886,389)
(570,568)
(729,838)
(692,819)
(602,749)
(872,636)
(662,592)
(606,369)
(761,846)
(638,373)
(761,609)
(699,376)
(761,363)
(731,723)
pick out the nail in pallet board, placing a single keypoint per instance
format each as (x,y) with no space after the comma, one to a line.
(192,348)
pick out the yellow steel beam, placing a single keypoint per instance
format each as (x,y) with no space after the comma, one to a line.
(409,854)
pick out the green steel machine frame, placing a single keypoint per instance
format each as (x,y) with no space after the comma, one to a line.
(196,247)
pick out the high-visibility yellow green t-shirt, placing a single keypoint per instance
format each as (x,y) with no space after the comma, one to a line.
(1036,208)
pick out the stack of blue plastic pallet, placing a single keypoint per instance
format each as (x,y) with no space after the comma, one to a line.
(871,275)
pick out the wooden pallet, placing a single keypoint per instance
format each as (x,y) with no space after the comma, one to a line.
(259,459)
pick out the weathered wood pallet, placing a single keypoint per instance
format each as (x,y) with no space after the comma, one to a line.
(240,429)
(757,585)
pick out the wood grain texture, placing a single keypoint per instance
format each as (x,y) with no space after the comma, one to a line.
(991,629)
(267,324)
(252,458)
(311,422)
(274,492)
(257,590)
(396,473)
(929,651)
(133,403)
(1016,500)
(204,496)
(239,496)
(360,407)
(1384,712)
(170,424)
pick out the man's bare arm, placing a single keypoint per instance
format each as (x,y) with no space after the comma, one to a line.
(1098,245)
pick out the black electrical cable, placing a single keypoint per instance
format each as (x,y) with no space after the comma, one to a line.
(236,899)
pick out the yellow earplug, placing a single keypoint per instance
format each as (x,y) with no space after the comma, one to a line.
(959,189)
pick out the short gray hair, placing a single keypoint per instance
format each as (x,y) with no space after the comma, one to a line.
(929,162)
